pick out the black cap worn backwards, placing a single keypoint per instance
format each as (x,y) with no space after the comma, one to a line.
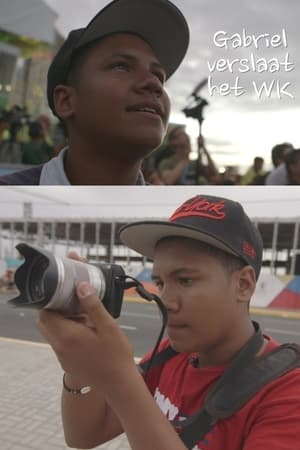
(217,221)
(158,22)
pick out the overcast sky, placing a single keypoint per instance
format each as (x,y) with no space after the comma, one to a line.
(237,128)
(130,203)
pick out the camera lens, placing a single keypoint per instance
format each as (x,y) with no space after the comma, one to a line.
(36,280)
(48,281)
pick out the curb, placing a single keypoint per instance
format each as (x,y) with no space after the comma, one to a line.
(269,312)
(285,313)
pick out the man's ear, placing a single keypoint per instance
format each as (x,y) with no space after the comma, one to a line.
(246,283)
(63,98)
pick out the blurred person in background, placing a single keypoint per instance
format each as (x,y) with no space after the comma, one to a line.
(279,175)
(164,151)
(292,164)
(178,169)
(230,176)
(4,126)
(254,172)
(14,131)
(37,150)
(208,172)
(152,176)
(19,124)
(174,170)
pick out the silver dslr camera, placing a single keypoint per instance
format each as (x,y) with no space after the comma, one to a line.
(47,281)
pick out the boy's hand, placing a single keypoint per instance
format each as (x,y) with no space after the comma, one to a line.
(94,349)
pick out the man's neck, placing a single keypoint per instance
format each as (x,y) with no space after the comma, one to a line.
(99,170)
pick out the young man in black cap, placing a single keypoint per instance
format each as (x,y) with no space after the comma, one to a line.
(207,259)
(107,85)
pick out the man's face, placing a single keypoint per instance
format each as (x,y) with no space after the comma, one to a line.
(258,165)
(181,144)
(120,78)
(199,294)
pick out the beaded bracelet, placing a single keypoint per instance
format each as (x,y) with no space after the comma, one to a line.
(84,390)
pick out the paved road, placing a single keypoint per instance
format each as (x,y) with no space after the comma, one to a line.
(30,377)
(140,321)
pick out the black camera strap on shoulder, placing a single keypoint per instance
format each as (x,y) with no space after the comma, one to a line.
(244,377)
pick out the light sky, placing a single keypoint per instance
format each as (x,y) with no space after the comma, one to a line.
(138,203)
(237,128)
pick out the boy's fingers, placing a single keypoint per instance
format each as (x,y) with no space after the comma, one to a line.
(55,327)
(82,318)
(91,303)
(51,324)
(76,257)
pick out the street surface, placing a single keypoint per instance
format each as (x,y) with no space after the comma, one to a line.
(31,378)
(140,321)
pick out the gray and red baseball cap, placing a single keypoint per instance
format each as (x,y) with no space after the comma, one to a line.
(216,221)
(158,22)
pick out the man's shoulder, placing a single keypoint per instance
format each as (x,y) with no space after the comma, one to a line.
(29,177)
(277,175)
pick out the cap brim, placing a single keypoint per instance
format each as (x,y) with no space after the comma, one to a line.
(158,22)
(144,236)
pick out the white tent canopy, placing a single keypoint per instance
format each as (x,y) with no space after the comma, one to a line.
(127,202)
(31,18)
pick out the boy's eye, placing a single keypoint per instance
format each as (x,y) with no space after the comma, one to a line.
(120,65)
(185,281)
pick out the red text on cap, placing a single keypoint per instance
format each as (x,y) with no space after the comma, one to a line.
(198,206)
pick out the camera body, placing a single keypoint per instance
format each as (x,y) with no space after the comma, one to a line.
(195,111)
(47,281)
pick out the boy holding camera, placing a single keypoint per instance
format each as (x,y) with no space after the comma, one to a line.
(207,258)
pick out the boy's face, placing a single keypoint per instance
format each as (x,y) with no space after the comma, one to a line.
(120,76)
(203,299)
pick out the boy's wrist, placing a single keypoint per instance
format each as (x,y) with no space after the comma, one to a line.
(71,389)
(73,381)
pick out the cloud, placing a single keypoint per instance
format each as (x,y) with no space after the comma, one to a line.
(206,18)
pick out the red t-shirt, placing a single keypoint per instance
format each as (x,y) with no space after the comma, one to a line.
(269,421)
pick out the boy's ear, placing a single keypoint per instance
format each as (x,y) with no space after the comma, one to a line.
(63,97)
(246,283)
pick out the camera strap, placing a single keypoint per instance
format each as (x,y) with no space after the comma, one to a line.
(244,377)
(149,296)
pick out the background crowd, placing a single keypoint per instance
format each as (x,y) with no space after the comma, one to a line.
(171,165)
(28,140)
(35,140)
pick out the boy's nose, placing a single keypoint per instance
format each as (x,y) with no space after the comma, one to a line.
(170,299)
